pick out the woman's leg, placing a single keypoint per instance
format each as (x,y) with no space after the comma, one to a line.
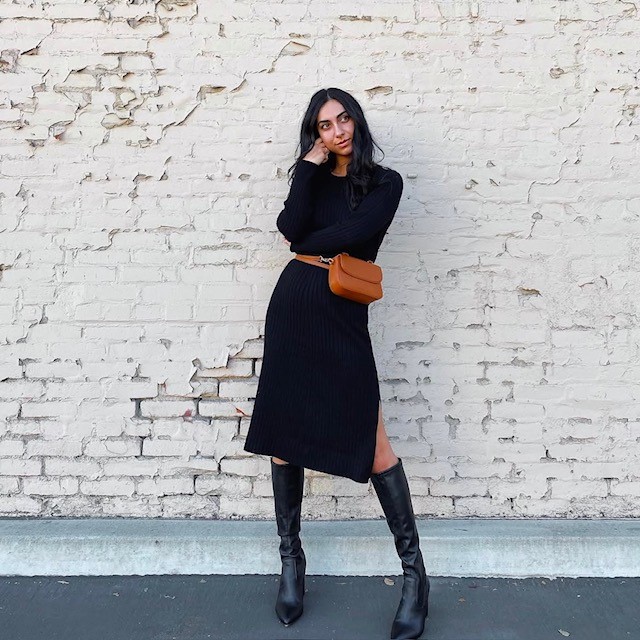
(384,456)
(278,460)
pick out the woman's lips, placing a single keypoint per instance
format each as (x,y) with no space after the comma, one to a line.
(343,143)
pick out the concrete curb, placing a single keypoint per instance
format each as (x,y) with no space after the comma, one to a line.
(517,548)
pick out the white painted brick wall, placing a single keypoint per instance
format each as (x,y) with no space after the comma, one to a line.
(143,157)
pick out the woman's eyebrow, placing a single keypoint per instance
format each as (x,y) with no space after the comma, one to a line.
(321,121)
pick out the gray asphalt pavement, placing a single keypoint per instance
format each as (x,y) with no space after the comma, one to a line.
(207,607)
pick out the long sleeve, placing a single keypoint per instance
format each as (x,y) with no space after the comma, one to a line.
(374,213)
(294,219)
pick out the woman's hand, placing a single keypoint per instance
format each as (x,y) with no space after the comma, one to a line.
(287,241)
(319,153)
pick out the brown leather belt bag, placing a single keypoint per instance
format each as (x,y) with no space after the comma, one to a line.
(349,277)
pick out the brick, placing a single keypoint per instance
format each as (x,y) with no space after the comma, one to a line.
(108,487)
(50,486)
(222,484)
(19,505)
(165,486)
(112,448)
(64,448)
(252,466)
(19,467)
(631,489)
(160,409)
(238,366)
(190,506)
(8,485)
(224,408)
(459,487)
(130,467)
(238,389)
(247,507)
(11,448)
(168,448)
(578,489)
(335,486)
(67,467)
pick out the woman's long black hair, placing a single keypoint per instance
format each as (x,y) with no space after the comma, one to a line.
(362,166)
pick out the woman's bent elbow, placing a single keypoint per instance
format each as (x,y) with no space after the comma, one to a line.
(290,235)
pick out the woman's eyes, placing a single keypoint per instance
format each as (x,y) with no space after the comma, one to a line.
(344,119)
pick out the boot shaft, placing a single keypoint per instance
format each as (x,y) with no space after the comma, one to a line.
(392,489)
(288,485)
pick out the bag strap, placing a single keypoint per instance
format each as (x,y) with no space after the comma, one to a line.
(316,260)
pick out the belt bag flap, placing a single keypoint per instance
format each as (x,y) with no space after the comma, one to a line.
(347,286)
(362,270)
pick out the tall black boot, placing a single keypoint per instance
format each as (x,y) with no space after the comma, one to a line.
(393,491)
(288,482)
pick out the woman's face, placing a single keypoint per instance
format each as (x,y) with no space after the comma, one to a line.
(335,125)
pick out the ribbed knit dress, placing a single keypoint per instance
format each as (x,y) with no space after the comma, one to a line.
(317,398)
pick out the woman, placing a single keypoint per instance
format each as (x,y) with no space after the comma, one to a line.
(317,403)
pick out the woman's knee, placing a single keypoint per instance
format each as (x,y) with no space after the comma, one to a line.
(384,456)
(382,462)
(278,460)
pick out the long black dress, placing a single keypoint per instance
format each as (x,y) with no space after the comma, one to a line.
(317,399)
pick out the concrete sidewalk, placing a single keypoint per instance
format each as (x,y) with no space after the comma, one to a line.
(458,548)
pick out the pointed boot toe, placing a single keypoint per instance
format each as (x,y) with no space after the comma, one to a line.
(289,604)
(411,615)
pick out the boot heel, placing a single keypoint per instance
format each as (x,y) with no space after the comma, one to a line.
(426,604)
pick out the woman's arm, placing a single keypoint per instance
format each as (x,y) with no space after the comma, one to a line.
(293,219)
(375,212)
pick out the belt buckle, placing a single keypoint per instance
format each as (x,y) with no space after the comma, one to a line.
(325,260)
